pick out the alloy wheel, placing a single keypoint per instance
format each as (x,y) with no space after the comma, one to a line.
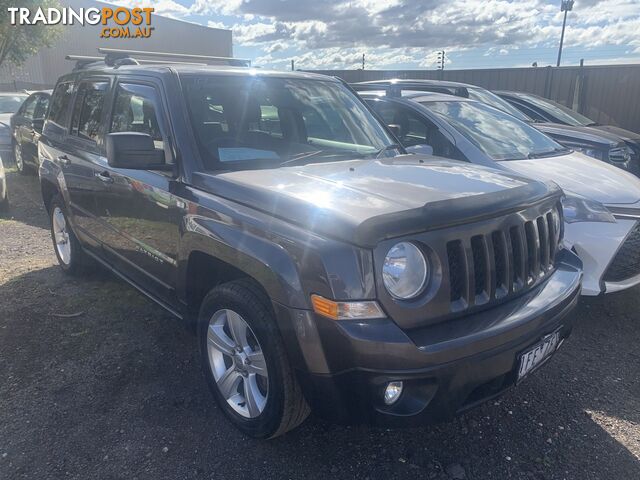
(17,153)
(61,235)
(237,363)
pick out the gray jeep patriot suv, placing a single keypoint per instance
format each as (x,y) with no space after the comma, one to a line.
(321,265)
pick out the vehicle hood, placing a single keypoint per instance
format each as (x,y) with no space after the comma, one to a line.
(577,134)
(586,176)
(365,201)
(626,135)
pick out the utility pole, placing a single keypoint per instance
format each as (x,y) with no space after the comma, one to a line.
(441,59)
(293,67)
(363,61)
(565,6)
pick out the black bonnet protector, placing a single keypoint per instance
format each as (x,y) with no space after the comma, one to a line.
(381,200)
(449,213)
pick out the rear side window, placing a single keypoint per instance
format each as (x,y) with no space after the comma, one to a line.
(58,113)
(137,109)
(87,110)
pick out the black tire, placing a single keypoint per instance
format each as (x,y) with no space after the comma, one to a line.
(285,406)
(4,203)
(78,259)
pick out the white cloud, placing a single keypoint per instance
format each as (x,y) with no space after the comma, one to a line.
(391,32)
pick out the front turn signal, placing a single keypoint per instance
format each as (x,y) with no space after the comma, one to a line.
(362,310)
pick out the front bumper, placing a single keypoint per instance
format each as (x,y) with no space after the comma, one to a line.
(447,368)
(596,244)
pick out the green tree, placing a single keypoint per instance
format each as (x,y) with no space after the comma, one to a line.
(19,42)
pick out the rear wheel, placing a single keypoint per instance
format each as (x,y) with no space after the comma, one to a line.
(245,364)
(70,255)
(17,156)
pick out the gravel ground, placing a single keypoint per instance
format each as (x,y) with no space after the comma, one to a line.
(98,383)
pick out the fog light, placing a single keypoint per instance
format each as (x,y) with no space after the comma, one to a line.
(392,392)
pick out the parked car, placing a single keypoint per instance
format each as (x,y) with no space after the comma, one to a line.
(4,194)
(321,264)
(26,127)
(602,203)
(9,104)
(597,143)
(544,110)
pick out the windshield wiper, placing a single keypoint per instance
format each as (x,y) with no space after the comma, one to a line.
(302,156)
(547,153)
(393,146)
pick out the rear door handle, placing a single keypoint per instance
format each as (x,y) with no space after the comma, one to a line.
(64,160)
(104,177)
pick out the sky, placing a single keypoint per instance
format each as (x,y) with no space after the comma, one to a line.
(407,34)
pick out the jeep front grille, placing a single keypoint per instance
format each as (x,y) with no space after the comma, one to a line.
(492,266)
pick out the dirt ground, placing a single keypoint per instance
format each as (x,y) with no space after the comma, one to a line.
(96,382)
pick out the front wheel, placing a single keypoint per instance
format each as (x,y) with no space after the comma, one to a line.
(245,363)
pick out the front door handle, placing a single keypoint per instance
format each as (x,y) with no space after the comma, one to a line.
(104,177)
(64,160)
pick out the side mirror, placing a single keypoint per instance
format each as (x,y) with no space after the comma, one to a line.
(135,151)
(422,149)
(38,124)
(395,129)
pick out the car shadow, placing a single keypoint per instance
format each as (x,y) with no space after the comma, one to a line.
(25,200)
(98,379)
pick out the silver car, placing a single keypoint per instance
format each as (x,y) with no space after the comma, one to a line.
(4,197)
(9,104)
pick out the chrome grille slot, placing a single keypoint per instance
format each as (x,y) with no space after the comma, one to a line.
(533,251)
(543,235)
(481,269)
(551,238)
(457,271)
(517,247)
(501,261)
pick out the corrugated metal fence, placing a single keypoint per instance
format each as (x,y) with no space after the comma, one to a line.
(607,94)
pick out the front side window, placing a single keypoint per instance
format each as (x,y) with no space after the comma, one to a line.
(60,101)
(137,109)
(11,103)
(29,107)
(41,107)
(87,110)
(497,134)
(415,129)
(256,122)
(562,113)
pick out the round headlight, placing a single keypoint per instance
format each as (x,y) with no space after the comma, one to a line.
(405,271)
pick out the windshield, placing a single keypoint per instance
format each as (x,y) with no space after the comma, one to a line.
(485,96)
(255,122)
(497,134)
(562,113)
(11,103)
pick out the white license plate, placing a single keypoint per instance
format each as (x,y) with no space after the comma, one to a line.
(537,355)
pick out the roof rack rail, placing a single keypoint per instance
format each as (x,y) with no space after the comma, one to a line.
(117,53)
(85,61)
(394,87)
